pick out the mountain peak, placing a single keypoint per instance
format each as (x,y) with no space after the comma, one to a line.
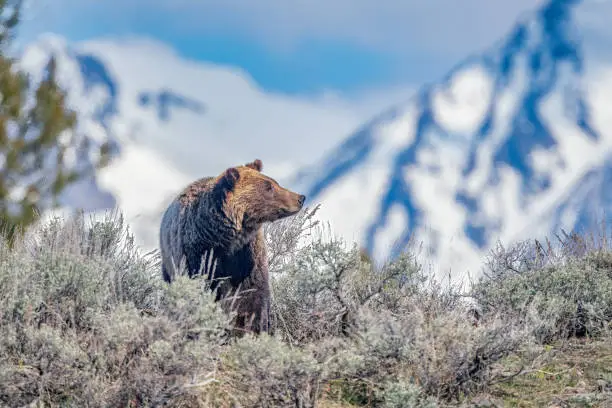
(165,100)
(477,157)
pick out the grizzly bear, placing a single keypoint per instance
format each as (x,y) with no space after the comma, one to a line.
(224,216)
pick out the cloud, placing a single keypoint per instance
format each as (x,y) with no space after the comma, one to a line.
(402,27)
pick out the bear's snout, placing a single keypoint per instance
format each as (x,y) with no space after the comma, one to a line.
(291,203)
(297,202)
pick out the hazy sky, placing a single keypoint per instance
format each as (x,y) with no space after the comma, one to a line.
(298,46)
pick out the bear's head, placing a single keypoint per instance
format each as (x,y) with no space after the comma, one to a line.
(252,198)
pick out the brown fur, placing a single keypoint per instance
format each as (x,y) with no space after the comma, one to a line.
(192,191)
(224,216)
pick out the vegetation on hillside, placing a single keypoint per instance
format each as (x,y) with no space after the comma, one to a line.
(86,320)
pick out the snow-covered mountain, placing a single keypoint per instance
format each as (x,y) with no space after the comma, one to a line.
(511,144)
(171,120)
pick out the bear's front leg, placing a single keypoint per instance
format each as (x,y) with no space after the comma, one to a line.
(253,312)
(250,267)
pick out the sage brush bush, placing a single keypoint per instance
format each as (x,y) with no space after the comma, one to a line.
(565,291)
(319,293)
(266,372)
(446,355)
(86,321)
(319,288)
(372,328)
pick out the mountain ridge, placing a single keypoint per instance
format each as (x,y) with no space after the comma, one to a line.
(494,155)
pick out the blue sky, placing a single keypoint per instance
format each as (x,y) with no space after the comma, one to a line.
(297,46)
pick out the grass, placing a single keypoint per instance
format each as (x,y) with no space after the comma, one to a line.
(86,320)
(578,373)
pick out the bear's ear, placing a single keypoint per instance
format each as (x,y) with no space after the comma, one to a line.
(256,165)
(228,179)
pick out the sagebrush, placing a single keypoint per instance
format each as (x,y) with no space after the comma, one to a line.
(86,320)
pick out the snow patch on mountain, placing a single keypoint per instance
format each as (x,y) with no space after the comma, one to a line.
(497,150)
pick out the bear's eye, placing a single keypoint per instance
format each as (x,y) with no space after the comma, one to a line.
(268,185)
